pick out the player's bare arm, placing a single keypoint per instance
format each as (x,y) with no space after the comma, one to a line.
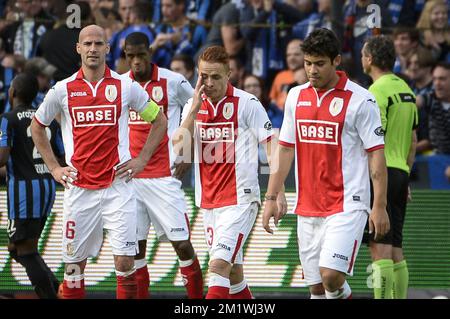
(4,155)
(188,124)
(271,147)
(63,175)
(282,160)
(136,165)
(181,169)
(378,219)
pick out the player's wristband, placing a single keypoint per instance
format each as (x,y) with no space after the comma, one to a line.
(270,197)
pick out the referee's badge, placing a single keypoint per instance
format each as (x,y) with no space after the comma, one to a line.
(111,93)
(228,110)
(157,94)
(336,106)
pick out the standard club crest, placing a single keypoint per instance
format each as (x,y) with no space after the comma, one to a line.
(111,93)
(336,106)
(157,94)
(228,110)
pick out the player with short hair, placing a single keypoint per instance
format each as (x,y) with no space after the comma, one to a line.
(332,127)
(30,186)
(94,106)
(160,199)
(399,120)
(227,124)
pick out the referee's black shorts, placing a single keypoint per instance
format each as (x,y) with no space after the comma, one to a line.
(397,195)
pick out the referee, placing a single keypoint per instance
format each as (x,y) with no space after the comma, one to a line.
(30,186)
(399,122)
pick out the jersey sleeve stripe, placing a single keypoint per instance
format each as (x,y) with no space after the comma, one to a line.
(238,246)
(266,140)
(39,122)
(378,147)
(286,144)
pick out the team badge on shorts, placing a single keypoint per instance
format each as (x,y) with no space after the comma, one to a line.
(111,93)
(157,94)
(228,110)
(336,106)
(69,249)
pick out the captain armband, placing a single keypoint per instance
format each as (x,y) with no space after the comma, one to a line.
(150,112)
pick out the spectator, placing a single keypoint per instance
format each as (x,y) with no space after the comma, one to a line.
(185,65)
(199,10)
(321,19)
(65,58)
(11,64)
(265,41)
(255,85)
(403,12)
(294,61)
(306,6)
(43,71)
(6,76)
(107,18)
(433,24)
(299,78)
(23,36)
(406,41)
(134,19)
(237,72)
(195,9)
(437,112)
(225,28)
(357,31)
(176,34)
(419,67)
(419,71)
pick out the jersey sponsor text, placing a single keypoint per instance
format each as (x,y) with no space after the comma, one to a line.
(216,132)
(101,115)
(320,132)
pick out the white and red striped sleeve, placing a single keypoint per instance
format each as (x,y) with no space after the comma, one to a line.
(368,125)
(49,108)
(186,109)
(258,120)
(288,129)
(138,97)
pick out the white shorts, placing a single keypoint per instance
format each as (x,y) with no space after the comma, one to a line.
(227,229)
(331,242)
(161,201)
(87,212)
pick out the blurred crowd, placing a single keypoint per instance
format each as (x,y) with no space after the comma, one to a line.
(262,37)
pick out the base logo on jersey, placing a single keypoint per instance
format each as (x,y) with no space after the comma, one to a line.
(136,119)
(157,94)
(319,132)
(228,110)
(98,115)
(216,132)
(111,92)
(336,106)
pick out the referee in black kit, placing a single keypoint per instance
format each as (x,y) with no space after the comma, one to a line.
(30,186)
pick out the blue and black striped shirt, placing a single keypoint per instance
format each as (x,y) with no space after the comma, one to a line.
(30,186)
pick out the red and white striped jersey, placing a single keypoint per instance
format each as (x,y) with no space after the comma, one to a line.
(332,134)
(94,123)
(171,91)
(226,138)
